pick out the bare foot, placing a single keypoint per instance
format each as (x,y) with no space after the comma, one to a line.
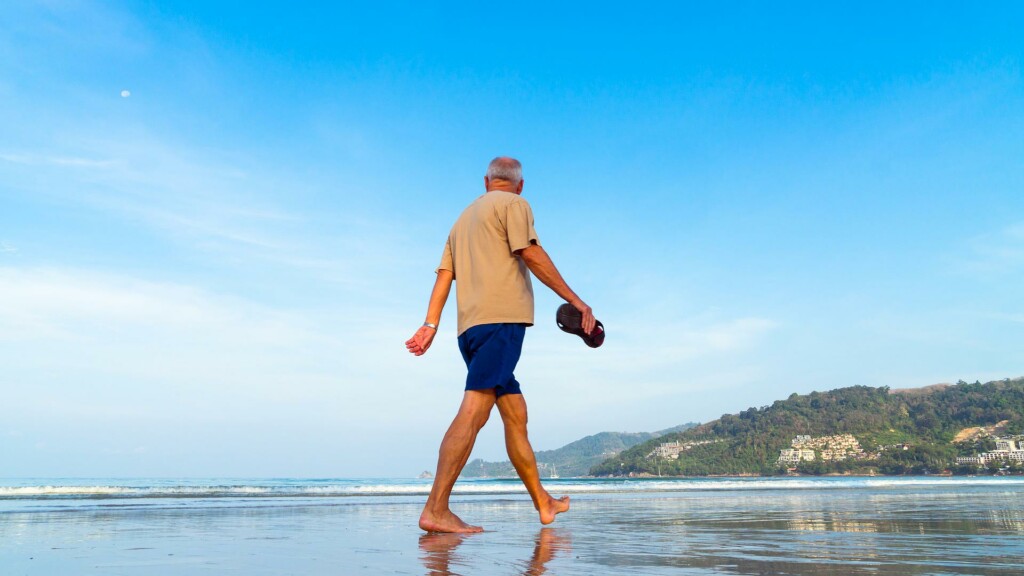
(446,522)
(551,507)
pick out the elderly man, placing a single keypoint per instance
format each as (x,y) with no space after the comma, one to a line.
(488,252)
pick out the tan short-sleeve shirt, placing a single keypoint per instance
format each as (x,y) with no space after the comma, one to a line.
(492,284)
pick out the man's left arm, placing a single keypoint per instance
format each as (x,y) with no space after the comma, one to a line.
(424,337)
(538,261)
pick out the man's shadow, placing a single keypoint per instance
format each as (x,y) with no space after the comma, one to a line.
(441,558)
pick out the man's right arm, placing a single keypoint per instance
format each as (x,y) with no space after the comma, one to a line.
(538,261)
(424,336)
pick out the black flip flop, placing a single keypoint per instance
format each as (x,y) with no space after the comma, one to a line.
(570,320)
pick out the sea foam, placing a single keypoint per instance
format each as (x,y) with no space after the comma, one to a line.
(338,488)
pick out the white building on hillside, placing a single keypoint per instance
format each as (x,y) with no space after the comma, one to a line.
(794,456)
(800,440)
(1007,450)
(669,450)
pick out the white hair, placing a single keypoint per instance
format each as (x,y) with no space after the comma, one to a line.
(503,168)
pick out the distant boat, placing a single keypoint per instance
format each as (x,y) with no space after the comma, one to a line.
(554,472)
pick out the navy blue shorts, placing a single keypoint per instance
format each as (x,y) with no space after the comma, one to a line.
(491,352)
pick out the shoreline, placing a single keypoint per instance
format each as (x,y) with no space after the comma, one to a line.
(869,529)
(944,474)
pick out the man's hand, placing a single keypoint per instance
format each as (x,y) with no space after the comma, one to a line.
(421,340)
(588,315)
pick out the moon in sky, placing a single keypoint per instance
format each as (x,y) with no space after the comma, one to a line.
(125,93)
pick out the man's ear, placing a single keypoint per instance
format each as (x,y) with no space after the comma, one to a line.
(487,183)
(519,188)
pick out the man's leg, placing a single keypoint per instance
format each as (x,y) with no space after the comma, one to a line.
(513,413)
(455,450)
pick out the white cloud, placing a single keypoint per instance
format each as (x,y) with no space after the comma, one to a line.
(62,161)
(6,248)
(669,340)
(994,253)
(664,357)
(220,205)
(120,332)
(49,302)
(80,344)
(119,451)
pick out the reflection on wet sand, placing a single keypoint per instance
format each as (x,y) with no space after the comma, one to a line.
(811,534)
(440,556)
(888,531)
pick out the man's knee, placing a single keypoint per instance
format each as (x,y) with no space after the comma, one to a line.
(476,407)
(481,418)
(513,410)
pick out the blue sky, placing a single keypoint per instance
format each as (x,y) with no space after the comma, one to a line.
(219,222)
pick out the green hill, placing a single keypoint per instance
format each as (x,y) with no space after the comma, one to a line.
(900,431)
(573,459)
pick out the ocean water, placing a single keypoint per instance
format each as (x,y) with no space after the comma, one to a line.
(844,525)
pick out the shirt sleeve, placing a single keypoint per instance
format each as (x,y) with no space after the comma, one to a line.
(447,263)
(519,225)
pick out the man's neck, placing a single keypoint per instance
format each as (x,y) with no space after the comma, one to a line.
(502,185)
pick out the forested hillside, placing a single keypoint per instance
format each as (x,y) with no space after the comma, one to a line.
(903,431)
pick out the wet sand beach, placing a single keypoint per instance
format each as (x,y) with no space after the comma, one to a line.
(896,529)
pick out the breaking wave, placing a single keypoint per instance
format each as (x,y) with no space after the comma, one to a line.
(199,489)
